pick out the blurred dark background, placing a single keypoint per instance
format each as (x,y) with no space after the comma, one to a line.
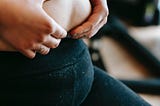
(137,12)
(130,57)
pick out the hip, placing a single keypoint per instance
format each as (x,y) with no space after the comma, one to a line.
(66,81)
(69,52)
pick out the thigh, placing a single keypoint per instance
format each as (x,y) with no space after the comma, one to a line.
(107,91)
(53,88)
(65,86)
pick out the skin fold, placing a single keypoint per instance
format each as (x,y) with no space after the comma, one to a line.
(67,13)
(30,26)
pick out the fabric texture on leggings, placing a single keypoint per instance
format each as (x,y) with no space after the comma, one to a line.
(62,78)
(107,91)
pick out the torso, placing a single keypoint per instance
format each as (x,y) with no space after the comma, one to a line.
(68,13)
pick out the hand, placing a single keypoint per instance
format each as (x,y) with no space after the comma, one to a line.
(26,27)
(4,46)
(95,21)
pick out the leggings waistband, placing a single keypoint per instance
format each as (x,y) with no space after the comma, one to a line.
(68,52)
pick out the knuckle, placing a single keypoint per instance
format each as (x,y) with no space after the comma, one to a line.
(56,34)
(45,51)
(60,34)
(48,27)
(91,26)
(42,38)
(30,45)
(56,44)
(24,45)
(106,11)
(105,20)
(63,34)
(42,49)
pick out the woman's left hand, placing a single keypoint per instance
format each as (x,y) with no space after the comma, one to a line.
(94,22)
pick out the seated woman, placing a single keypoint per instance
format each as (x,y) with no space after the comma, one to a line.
(65,76)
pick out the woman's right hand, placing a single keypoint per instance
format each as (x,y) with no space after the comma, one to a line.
(26,27)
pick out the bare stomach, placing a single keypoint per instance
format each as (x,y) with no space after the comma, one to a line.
(67,13)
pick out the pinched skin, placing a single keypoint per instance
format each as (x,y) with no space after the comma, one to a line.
(67,13)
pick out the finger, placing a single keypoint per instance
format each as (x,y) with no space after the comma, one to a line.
(51,42)
(92,32)
(93,21)
(29,53)
(42,49)
(99,13)
(97,28)
(59,32)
